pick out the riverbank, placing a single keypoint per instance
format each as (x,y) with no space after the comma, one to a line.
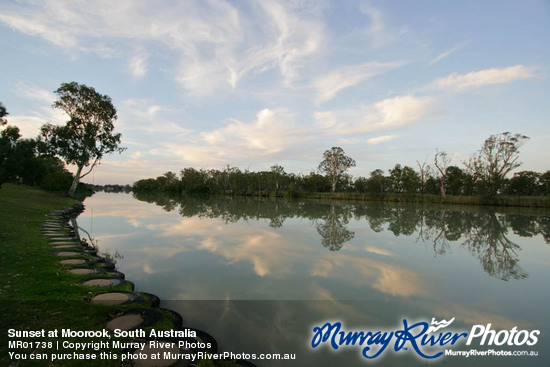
(43,292)
(498,200)
(35,293)
(513,201)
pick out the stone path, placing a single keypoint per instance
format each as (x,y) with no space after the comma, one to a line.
(79,258)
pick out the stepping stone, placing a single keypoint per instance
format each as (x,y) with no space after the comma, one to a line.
(64,243)
(68,253)
(66,246)
(115,298)
(136,318)
(102,282)
(84,271)
(73,261)
(62,238)
(125,322)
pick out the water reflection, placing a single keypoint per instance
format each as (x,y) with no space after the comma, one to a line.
(484,232)
(333,228)
(258,273)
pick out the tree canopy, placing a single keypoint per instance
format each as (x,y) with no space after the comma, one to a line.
(89,133)
(335,163)
(498,156)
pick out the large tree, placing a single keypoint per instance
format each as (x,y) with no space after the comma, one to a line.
(89,133)
(335,163)
(498,156)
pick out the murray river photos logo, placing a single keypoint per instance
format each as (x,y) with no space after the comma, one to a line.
(428,341)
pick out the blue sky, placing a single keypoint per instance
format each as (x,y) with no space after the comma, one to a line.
(254,83)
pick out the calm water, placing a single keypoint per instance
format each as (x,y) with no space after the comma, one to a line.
(260,274)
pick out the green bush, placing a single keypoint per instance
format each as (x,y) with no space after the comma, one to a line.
(57,181)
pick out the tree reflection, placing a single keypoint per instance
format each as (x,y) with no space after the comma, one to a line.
(482,231)
(497,254)
(333,230)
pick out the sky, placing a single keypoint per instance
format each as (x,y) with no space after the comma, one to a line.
(251,84)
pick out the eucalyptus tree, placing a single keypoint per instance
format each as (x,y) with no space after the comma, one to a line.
(335,164)
(498,156)
(89,133)
(441,162)
(424,170)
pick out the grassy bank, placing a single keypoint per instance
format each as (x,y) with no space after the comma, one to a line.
(35,291)
(517,201)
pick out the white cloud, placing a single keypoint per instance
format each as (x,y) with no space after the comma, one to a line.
(270,133)
(34,92)
(29,124)
(458,82)
(273,132)
(379,30)
(380,139)
(385,115)
(214,47)
(145,115)
(447,53)
(330,84)
(379,251)
(138,65)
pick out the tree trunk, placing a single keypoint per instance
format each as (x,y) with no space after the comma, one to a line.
(75,181)
(442,183)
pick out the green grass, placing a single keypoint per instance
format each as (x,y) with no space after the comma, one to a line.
(35,291)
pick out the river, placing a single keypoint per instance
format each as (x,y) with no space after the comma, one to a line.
(261,274)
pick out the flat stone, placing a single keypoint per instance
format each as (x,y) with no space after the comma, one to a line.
(82,271)
(65,246)
(61,238)
(68,253)
(73,261)
(64,243)
(101,282)
(111,298)
(148,362)
(125,322)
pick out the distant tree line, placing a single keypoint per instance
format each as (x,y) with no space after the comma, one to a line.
(483,174)
(398,180)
